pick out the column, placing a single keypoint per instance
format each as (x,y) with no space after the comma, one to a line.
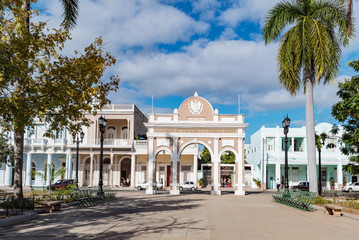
(8,173)
(28,170)
(292,147)
(49,162)
(195,167)
(111,169)
(277,173)
(216,168)
(151,160)
(239,169)
(133,161)
(91,169)
(340,176)
(175,167)
(69,167)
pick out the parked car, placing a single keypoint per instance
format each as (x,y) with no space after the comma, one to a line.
(351,187)
(143,185)
(64,183)
(303,186)
(189,185)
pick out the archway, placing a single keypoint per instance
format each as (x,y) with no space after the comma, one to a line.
(125,172)
(227,174)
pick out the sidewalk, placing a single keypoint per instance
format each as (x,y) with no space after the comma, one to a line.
(135,215)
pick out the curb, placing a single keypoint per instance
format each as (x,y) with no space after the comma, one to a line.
(344,214)
(18,219)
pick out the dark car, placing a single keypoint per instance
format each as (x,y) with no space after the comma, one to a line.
(303,186)
(64,183)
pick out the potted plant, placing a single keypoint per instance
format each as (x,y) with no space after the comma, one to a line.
(332,182)
(201,183)
(258,182)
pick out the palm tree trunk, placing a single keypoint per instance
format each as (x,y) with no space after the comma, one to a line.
(349,16)
(310,132)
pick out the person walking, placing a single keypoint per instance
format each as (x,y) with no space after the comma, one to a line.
(278,184)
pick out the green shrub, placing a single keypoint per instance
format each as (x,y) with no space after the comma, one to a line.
(320,200)
(258,182)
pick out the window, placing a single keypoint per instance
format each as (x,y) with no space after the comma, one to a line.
(298,144)
(295,174)
(33,171)
(270,144)
(186,168)
(58,134)
(162,169)
(289,144)
(143,168)
(124,132)
(111,132)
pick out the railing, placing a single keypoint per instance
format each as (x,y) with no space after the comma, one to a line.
(141,142)
(111,142)
(118,107)
(45,141)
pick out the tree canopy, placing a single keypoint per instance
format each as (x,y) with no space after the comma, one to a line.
(55,88)
(347,112)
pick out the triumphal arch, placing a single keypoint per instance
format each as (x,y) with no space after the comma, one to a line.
(171,137)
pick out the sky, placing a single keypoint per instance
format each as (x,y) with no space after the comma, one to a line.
(170,49)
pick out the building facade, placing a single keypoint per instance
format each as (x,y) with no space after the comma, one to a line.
(266,154)
(163,148)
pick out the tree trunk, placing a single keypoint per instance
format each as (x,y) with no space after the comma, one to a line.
(310,132)
(349,16)
(18,130)
(18,158)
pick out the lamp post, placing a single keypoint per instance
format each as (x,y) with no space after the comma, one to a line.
(78,141)
(102,125)
(286,124)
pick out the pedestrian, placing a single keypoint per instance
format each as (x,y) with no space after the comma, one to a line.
(128,182)
(229,182)
(122,182)
(162,181)
(278,184)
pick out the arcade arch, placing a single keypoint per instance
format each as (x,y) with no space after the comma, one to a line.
(193,123)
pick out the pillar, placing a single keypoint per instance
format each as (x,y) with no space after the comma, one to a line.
(111,169)
(277,172)
(49,162)
(195,167)
(239,170)
(69,167)
(340,176)
(175,167)
(28,170)
(151,161)
(91,169)
(8,173)
(133,161)
(216,168)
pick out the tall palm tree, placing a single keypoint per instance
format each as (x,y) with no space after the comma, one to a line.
(70,16)
(309,53)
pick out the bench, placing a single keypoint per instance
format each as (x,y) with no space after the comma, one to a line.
(333,210)
(51,207)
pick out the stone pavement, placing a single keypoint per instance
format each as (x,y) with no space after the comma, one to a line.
(135,215)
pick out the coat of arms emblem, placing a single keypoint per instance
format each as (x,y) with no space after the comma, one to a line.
(195,107)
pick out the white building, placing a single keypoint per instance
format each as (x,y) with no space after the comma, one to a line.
(266,154)
(161,149)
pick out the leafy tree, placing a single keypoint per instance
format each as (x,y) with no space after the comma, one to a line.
(228,158)
(309,53)
(53,173)
(36,82)
(6,151)
(204,157)
(347,112)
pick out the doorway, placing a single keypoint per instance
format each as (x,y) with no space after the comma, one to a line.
(168,178)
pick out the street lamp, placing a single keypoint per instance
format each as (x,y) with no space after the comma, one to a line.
(78,141)
(102,125)
(286,124)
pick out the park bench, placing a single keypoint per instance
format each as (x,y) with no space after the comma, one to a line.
(333,210)
(51,207)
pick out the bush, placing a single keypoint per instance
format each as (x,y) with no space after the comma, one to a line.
(320,200)
(201,182)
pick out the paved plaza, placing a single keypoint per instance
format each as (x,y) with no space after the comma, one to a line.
(135,215)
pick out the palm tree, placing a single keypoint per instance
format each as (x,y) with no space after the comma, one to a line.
(309,53)
(70,15)
(349,14)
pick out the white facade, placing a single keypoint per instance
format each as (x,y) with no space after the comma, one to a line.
(266,149)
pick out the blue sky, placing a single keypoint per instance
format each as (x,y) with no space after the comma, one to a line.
(171,49)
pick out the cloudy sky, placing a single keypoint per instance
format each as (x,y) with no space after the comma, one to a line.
(170,49)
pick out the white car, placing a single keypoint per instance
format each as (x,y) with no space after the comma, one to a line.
(189,185)
(143,185)
(351,187)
